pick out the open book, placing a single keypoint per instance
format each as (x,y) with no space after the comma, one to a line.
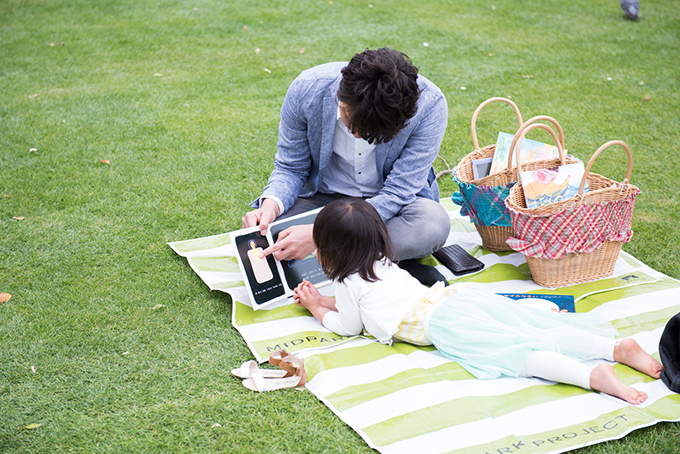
(268,280)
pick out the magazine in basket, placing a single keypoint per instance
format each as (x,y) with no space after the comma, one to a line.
(544,186)
(530,150)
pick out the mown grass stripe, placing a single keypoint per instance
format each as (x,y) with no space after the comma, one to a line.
(359,394)
(224,264)
(464,410)
(608,425)
(201,244)
(646,321)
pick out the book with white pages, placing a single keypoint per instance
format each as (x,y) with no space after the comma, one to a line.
(268,280)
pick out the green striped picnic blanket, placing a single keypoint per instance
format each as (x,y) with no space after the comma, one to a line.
(405,398)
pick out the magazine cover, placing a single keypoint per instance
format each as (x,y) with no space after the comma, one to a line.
(545,186)
(562,302)
(530,150)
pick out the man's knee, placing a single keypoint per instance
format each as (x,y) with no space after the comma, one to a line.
(421,228)
(440,222)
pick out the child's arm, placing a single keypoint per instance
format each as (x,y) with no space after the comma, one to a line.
(343,318)
(326,301)
(306,295)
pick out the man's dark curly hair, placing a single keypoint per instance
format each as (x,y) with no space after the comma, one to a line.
(380,90)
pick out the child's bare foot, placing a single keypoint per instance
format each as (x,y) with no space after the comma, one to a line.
(628,351)
(603,378)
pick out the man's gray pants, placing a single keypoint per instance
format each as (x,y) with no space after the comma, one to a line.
(419,229)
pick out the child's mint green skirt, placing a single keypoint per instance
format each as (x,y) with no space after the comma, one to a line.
(491,336)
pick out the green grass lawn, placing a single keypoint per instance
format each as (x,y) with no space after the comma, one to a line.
(110,342)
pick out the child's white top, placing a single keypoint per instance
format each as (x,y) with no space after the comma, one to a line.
(378,306)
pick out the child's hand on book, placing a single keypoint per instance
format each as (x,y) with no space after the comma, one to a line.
(306,295)
(312,289)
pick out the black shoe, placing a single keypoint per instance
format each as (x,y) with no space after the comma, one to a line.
(426,274)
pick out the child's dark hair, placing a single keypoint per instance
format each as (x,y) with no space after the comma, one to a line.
(380,89)
(350,237)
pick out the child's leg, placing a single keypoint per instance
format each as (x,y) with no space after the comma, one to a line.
(559,368)
(556,367)
(625,351)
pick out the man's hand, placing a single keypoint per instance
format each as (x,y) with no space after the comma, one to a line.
(263,216)
(294,243)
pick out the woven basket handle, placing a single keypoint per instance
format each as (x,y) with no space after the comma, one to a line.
(521,133)
(518,162)
(629,154)
(481,106)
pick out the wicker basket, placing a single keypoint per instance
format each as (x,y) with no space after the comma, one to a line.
(494,237)
(616,202)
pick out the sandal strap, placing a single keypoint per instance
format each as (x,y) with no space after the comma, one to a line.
(278,357)
(260,382)
(295,366)
(248,368)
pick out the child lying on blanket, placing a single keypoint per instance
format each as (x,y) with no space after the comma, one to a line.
(489,335)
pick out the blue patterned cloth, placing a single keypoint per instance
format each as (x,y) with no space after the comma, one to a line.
(484,204)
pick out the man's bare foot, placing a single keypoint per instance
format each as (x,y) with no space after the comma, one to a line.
(603,378)
(627,351)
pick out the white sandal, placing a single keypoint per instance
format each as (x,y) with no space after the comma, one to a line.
(293,363)
(250,369)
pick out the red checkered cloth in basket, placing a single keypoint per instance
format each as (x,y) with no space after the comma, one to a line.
(581,230)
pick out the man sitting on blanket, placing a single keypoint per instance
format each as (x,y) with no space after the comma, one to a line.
(369,128)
